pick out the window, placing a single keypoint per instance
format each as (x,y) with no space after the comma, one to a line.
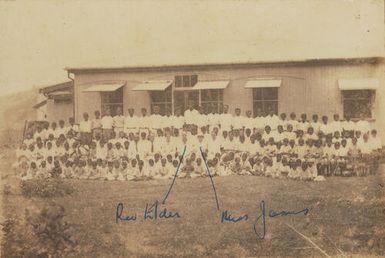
(265,100)
(112,100)
(358,104)
(184,81)
(212,100)
(162,99)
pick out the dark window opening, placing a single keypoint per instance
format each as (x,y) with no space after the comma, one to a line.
(265,100)
(358,104)
(112,101)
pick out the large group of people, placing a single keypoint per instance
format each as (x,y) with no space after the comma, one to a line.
(199,144)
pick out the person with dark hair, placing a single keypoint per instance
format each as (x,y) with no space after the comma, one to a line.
(85,129)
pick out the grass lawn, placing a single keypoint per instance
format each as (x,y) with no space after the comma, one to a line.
(347,216)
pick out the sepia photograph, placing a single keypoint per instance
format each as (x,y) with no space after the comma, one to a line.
(232,128)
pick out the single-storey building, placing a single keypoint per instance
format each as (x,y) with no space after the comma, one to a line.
(352,87)
(55,101)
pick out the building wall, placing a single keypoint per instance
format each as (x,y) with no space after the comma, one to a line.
(305,89)
(56,111)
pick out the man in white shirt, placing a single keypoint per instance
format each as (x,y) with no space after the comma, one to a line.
(96,124)
(375,141)
(118,119)
(213,117)
(363,126)
(272,120)
(155,120)
(191,115)
(166,120)
(283,120)
(237,121)
(85,129)
(74,128)
(249,120)
(144,121)
(203,119)
(144,146)
(365,145)
(325,127)
(303,124)
(62,130)
(54,131)
(107,122)
(315,124)
(293,121)
(336,125)
(131,122)
(348,125)
(38,133)
(177,121)
(225,119)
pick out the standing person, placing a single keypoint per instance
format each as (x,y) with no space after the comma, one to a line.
(177,121)
(237,121)
(96,125)
(225,119)
(348,125)
(272,120)
(62,129)
(249,120)
(203,119)
(283,120)
(85,129)
(315,124)
(45,131)
(363,125)
(74,128)
(131,122)
(303,124)
(54,131)
(38,133)
(325,127)
(118,121)
(107,123)
(293,121)
(143,121)
(190,116)
(336,125)
(375,141)
(155,120)
(214,119)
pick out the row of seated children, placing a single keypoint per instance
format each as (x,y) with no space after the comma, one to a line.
(193,165)
(259,142)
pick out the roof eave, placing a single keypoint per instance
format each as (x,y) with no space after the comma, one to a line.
(56,87)
(355,60)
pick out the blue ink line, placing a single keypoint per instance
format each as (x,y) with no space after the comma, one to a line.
(176,174)
(273,213)
(211,178)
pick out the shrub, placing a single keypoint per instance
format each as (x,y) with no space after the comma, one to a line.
(42,233)
(45,188)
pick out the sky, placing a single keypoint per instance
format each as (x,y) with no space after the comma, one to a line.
(38,39)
